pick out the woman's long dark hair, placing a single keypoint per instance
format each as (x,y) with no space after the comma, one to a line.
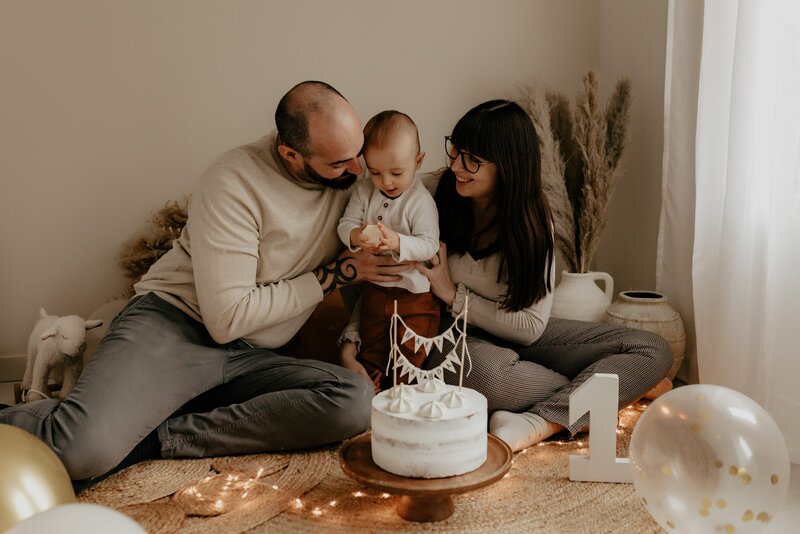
(501,132)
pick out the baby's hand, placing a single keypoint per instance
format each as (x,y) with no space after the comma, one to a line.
(347,358)
(360,239)
(390,240)
(371,235)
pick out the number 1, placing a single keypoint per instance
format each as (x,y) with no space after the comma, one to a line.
(599,397)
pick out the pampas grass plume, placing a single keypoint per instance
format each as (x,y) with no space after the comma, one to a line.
(581,151)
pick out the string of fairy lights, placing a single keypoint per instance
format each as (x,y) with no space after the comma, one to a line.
(222,493)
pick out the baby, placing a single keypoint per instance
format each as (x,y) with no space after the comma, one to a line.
(392,212)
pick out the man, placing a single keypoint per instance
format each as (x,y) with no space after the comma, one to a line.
(192,366)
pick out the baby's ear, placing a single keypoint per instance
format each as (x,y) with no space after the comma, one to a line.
(420,157)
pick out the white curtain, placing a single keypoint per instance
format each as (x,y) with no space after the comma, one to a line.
(747,205)
(676,228)
(730,221)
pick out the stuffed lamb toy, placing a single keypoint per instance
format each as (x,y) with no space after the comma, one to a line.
(56,345)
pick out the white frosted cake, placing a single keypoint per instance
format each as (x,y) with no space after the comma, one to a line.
(429,430)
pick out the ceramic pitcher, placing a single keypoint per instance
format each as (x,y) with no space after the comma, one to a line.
(579,297)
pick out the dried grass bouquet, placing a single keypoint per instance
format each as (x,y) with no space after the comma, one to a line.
(580,157)
(142,251)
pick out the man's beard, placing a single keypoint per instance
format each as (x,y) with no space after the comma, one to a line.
(344,181)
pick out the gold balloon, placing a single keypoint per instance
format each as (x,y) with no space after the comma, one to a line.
(32,478)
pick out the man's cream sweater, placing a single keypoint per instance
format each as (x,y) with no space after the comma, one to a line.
(242,265)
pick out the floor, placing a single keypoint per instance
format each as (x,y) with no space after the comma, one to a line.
(785,522)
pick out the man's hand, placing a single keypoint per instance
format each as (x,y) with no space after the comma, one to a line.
(373,267)
(390,240)
(355,267)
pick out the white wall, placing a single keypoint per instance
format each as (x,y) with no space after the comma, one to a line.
(632,43)
(108,109)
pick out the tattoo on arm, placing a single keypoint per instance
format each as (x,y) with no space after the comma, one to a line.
(340,272)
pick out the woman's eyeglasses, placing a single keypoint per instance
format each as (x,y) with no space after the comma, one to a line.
(470,163)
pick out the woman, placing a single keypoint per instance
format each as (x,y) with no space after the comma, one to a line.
(497,227)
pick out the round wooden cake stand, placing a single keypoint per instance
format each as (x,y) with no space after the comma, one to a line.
(422,499)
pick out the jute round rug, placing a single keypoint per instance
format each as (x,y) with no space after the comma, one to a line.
(307,492)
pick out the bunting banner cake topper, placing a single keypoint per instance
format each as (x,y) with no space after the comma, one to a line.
(457,355)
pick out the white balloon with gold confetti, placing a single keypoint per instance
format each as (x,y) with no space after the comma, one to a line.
(709,459)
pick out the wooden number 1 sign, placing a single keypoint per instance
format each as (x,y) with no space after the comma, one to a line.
(598,396)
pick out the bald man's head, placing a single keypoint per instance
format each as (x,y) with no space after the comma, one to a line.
(304,100)
(320,135)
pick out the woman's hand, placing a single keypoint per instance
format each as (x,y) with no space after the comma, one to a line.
(347,357)
(439,275)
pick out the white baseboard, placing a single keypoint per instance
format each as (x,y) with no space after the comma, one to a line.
(12,367)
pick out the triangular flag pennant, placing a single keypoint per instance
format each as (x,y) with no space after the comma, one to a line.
(448,335)
(451,356)
(438,342)
(408,334)
(449,366)
(404,368)
(417,343)
(427,345)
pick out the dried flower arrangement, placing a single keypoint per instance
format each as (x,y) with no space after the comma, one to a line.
(144,249)
(580,161)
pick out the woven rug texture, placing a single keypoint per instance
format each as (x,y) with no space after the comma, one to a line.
(308,492)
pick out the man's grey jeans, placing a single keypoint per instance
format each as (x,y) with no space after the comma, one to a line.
(157,368)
